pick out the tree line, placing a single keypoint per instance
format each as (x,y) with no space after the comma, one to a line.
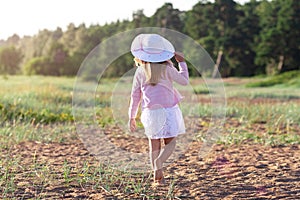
(258,37)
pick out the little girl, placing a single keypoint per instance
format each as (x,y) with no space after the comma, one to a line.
(153,88)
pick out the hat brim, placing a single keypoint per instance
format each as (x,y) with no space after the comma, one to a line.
(158,57)
(163,52)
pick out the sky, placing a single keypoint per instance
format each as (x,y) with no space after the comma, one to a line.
(27,17)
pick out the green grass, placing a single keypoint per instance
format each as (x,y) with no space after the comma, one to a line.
(268,113)
(287,79)
(38,103)
(35,99)
(16,133)
(272,140)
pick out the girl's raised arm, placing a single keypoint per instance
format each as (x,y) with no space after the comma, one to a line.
(181,76)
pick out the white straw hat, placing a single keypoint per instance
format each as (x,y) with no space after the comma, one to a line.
(152,48)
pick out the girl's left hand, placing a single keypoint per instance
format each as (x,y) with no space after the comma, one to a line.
(179,57)
(132,125)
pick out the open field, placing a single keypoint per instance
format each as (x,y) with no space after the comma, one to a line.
(257,156)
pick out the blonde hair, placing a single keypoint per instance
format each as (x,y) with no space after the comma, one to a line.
(153,71)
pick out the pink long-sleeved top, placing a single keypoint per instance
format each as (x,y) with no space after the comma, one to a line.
(162,95)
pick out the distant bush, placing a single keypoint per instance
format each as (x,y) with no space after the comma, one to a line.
(36,66)
(291,77)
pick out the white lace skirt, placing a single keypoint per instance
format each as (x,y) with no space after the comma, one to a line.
(163,122)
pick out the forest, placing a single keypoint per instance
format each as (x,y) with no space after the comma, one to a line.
(256,38)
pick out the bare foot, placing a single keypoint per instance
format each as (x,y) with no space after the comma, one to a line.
(158,178)
(158,175)
(158,172)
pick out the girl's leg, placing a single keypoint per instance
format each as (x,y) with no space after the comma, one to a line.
(166,152)
(155,147)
